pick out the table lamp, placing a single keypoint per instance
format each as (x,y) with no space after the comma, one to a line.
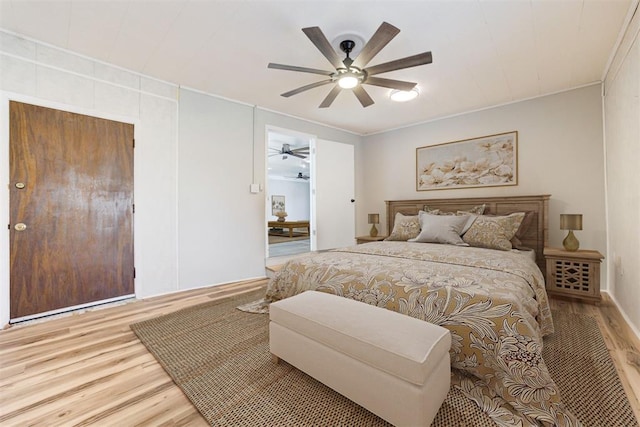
(374,219)
(571,222)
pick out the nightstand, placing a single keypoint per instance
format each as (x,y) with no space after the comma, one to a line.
(367,239)
(573,274)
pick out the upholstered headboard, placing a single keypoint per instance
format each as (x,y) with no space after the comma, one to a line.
(536,237)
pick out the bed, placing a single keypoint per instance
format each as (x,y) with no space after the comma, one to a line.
(493,301)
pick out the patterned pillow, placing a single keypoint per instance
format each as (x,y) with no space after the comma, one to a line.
(405,227)
(493,232)
(478,210)
(516,242)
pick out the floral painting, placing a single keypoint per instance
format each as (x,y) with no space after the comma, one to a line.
(479,162)
(277,205)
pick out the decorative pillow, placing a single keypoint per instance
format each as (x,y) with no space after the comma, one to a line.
(471,218)
(472,213)
(405,227)
(478,210)
(441,229)
(516,242)
(493,232)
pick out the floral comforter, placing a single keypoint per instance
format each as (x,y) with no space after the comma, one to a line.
(493,302)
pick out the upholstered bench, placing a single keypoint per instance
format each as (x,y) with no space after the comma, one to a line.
(395,366)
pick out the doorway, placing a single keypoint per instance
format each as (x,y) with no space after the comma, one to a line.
(71,210)
(289,178)
(311,180)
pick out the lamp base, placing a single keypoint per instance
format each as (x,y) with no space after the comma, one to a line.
(570,242)
(374,231)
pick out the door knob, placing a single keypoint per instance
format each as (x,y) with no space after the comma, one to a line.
(20,226)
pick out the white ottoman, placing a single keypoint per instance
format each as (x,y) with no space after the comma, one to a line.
(395,366)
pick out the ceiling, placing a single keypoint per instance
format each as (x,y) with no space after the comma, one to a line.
(485,52)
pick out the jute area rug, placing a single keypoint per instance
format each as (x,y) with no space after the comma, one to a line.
(219,356)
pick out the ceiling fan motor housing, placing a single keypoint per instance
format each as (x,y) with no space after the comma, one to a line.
(347,46)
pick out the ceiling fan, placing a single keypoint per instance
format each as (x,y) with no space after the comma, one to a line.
(352,73)
(301,176)
(286,150)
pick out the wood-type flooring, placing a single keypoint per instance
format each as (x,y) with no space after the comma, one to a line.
(90,369)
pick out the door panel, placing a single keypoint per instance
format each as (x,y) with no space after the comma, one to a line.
(334,192)
(76,203)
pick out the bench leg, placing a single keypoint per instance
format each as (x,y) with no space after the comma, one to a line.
(275,359)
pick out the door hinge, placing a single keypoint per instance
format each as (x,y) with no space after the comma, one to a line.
(134,143)
(134,272)
(9,226)
(134,208)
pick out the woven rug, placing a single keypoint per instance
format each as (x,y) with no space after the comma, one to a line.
(219,356)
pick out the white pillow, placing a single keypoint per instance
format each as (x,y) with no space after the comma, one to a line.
(441,229)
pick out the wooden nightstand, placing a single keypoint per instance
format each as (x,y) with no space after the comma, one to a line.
(367,239)
(573,274)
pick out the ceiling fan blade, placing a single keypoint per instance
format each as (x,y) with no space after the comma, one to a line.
(306,87)
(318,38)
(301,150)
(300,69)
(383,35)
(298,155)
(331,97)
(399,64)
(362,96)
(391,84)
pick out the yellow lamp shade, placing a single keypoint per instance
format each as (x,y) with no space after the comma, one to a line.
(571,222)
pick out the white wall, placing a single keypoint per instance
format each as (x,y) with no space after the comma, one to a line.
(197,185)
(220,235)
(560,152)
(622,143)
(296,197)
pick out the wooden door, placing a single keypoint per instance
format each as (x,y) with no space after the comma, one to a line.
(71,185)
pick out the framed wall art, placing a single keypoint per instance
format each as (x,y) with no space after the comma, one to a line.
(486,161)
(277,205)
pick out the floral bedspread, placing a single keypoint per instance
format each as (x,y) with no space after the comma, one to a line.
(493,302)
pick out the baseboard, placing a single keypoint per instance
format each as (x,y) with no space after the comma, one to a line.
(625,317)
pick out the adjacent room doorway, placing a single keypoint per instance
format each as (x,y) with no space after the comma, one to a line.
(311,180)
(288,193)
(71,210)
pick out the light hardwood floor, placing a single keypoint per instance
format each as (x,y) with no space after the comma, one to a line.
(90,369)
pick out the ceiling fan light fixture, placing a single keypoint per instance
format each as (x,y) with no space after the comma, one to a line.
(404,95)
(348,80)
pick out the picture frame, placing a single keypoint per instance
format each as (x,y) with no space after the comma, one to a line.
(485,161)
(277,205)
